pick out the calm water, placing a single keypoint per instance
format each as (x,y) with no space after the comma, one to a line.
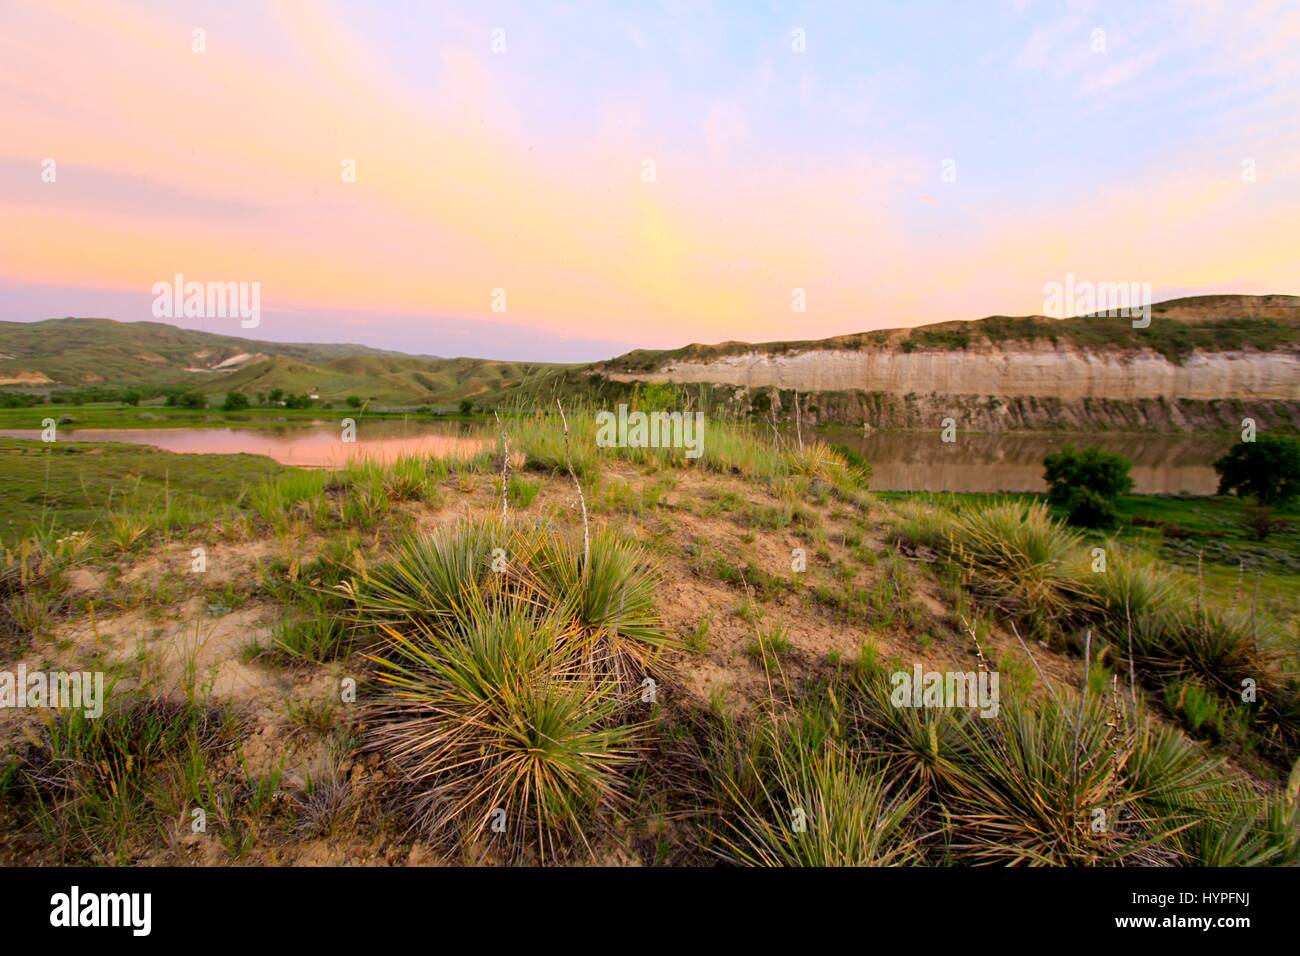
(901,461)
(920,461)
(317,445)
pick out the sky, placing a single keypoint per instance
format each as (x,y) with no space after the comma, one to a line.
(566,181)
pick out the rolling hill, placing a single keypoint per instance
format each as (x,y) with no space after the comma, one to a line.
(76,353)
(1201,362)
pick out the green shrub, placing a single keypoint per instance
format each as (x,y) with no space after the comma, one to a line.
(1086,482)
(1267,469)
(1086,508)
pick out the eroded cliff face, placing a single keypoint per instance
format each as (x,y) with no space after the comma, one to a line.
(1010,370)
(1010,387)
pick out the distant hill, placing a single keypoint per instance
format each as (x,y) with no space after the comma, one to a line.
(1202,364)
(1210,323)
(1249,348)
(74,353)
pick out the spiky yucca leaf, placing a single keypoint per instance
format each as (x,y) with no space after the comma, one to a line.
(925,746)
(817,459)
(813,804)
(492,716)
(1216,646)
(1024,798)
(1170,774)
(613,598)
(1131,586)
(1018,557)
(431,575)
(1246,832)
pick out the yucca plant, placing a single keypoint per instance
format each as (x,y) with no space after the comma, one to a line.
(924,746)
(430,575)
(1130,587)
(817,459)
(802,800)
(1214,645)
(499,728)
(612,598)
(1170,775)
(1045,787)
(507,665)
(1246,831)
(1018,557)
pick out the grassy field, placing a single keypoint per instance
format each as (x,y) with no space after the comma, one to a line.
(577,654)
(69,486)
(1184,532)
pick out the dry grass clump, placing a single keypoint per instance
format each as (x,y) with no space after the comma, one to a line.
(33,582)
(106,787)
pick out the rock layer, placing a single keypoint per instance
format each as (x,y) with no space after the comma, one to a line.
(1010,370)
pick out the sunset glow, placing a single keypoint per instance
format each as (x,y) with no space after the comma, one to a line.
(525,169)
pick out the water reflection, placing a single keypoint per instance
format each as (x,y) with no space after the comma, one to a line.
(901,461)
(319,445)
(920,461)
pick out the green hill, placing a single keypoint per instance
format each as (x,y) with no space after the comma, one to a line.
(72,353)
(63,354)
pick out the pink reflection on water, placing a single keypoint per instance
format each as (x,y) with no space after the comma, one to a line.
(305,447)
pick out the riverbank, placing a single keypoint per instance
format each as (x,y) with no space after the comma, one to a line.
(760,591)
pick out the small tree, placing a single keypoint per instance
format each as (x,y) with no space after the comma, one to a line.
(193,400)
(1086,483)
(132,397)
(354,401)
(466,406)
(235,401)
(1267,469)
